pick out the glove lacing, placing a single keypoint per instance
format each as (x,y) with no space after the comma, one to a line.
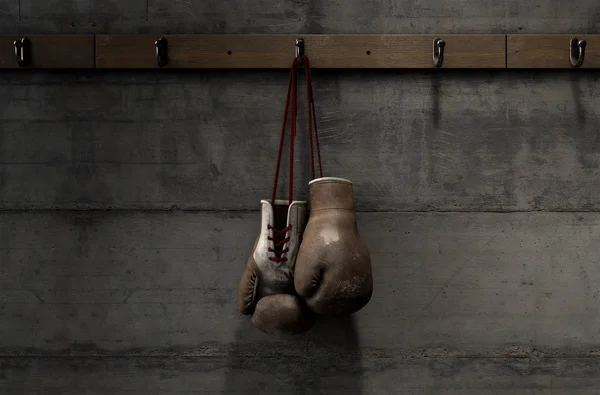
(279,240)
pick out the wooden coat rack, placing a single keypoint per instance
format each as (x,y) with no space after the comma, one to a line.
(275,51)
(231,51)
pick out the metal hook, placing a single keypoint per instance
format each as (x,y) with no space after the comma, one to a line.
(299,52)
(162,52)
(438,52)
(577,51)
(22,52)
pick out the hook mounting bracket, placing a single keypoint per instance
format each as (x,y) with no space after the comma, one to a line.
(23,52)
(577,51)
(438,52)
(162,52)
(300,52)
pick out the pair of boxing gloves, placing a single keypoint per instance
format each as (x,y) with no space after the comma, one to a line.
(298,270)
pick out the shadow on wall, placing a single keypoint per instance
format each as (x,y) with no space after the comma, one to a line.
(327,359)
(580,114)
(435,97)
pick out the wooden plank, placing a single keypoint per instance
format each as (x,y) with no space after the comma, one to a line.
(325,51)
(50,51)
(547,51)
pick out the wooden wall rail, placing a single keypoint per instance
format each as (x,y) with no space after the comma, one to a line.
(266,51)
(48,51)
(545,51)
(232,51)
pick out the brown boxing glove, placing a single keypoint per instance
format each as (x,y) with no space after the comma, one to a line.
(267,287)
(333,268)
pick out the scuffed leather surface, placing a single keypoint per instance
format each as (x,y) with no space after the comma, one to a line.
(333,268)
(282,314)
(266,289)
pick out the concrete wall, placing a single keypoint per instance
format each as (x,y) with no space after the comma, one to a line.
(129,205)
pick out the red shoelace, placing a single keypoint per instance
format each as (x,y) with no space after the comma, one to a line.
(279,240)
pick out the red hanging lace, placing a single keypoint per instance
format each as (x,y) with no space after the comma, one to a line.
(291,96)
(279,235)
(312,119)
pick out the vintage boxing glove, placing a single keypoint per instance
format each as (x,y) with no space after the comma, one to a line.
(333,267)
(267,287)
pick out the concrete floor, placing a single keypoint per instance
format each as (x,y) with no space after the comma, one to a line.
(129,205)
